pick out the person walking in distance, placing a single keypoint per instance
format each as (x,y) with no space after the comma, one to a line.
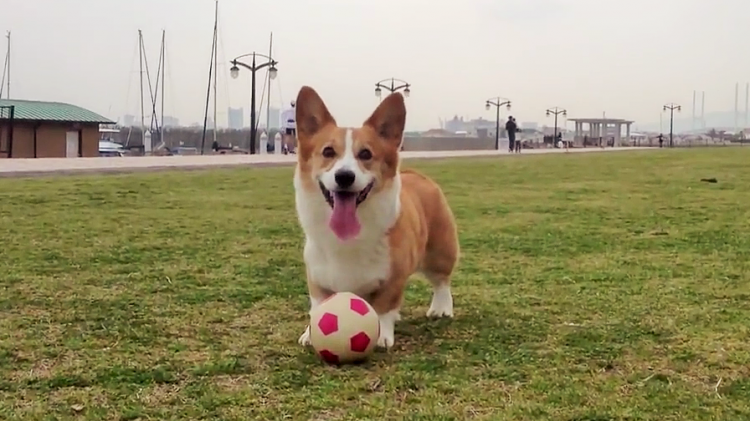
(661,139)
(519,142)
(560,142)
(289,125)
(511,128)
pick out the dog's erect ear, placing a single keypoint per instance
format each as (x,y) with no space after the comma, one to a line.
(312,113)
(389,119)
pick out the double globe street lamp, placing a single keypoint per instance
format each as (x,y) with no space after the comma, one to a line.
(253,67)
(497,103)
(556,111)
(671,107)
(394,86)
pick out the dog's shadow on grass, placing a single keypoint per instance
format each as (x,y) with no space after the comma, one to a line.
(413,334)
(475,333)
(420,332)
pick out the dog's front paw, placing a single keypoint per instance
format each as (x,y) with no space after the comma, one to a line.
(386,339)
(442,303)
(304,339)
(440,311)
(387,329)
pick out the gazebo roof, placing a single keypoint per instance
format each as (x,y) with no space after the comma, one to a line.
(601,120)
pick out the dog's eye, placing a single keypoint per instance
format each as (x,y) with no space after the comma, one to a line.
(328,152)
(364,155)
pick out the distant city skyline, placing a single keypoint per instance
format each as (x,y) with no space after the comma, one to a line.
(235,117)
(682,122)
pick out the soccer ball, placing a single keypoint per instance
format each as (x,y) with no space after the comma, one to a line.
(344,329)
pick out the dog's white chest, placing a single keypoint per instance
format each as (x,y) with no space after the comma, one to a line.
(357,268)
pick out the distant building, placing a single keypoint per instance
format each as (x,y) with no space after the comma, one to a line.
(274,119)
(529,125)
(472,127)
(550,130)
(40,129)
(170,121)
(128,120)
(437,133)
(236,118)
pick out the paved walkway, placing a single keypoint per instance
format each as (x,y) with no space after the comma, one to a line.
(41,166)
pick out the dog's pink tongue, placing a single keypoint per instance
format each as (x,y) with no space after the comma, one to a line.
(344,222)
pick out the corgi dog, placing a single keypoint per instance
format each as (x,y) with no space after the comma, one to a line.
(368,225)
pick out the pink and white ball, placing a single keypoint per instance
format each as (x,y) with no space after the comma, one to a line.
(344,329)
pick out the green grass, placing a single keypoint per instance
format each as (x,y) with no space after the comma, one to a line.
(592,287)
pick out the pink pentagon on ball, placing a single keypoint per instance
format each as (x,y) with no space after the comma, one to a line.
(328,324)
(329,356)
(358,306)
(359,342)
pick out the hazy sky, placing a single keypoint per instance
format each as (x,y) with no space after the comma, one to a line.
(625,58)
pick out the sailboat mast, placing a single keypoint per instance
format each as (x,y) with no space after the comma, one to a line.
(268,103)
(7,61)
(163,67)
(736,106)
(216,68)
(208,87)
(661,122)
(140,59)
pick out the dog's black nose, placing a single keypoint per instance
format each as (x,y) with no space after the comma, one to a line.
(344,178)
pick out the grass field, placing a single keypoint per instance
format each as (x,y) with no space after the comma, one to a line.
(592,287)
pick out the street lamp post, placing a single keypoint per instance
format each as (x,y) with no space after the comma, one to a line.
(556,111)
(253,67)
(394,86)
(671,107)
(497,103)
